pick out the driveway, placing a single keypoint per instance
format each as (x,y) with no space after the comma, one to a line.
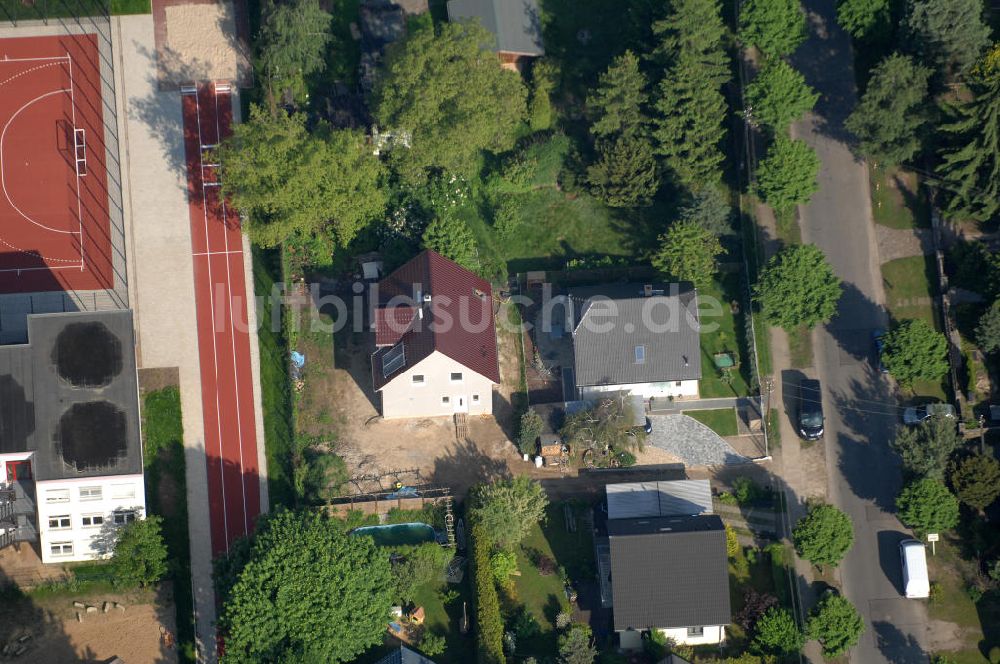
(693,443)
(863,474)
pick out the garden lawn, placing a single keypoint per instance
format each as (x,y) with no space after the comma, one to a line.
(721,420)
(444,620)
(800,347)
(909,290)
(953,605)
(723,334)
(897,201)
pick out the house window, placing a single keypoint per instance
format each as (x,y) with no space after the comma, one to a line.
(122,491)
(694,632)
(417,379)
(445,401)
(93,520)
(640,354)
(57,496)
(121,517)
(456,376)
(678,383)
(61,548)
(61,522)
(475,398)
(91,493)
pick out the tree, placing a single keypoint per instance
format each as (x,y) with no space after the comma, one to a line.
(779,95)
(914,350)
(755,604)
(450,236)
(988,329)
(288,181)
(625,173)
(970,164)
(688,252)
(507,509)
(798,287)
(324,478)
(861,18)
(617,103)
(415,566)
(926,447)
(607,425)
(709,209)
(293,38)
(688,124)
(432,644)
(976,480)
(531,426)
(776,633)
(543,81)
(892,112)
(948,35)
(140,556)
(787,175)
(823,536)
(836,624)
(695,28)
(450,94)
(575,645)
(776,27)
(927,506)
(279,608)
(489,623)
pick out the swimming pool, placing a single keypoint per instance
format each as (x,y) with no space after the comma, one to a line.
(397,534)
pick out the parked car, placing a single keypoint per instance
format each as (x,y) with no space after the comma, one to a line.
(878,337)
(918,414)
(913,555)
(810,415)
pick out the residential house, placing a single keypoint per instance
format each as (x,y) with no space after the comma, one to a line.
(436,340)
(638,338)
(70,452)
(516,24)
(404,656)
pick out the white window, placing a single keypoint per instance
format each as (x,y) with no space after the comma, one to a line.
(456,376)
(61,548)
(696,631)
(445,401)
(417,379)
(475,398)
(91,493)
(61,522)
(121,517)
(92,520)
(122,491)
(678,383)
(57,496)
(640,354)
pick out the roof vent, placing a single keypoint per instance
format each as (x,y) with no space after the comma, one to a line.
(647,290)
(427,297)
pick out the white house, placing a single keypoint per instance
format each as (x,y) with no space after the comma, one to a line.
(638,338)
(436,340)
(70,450)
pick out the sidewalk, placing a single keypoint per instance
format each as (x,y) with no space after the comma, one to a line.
(662,407)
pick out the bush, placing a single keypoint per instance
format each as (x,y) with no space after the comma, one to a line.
(746,490)
(507,219)
(489,624)
(755,605)
(503,564)
(732,542)
(625,458)
(529,429)
(524,626)
(776,633)
(432,644)
(140,556)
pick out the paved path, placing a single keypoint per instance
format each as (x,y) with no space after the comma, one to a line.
(691,441)
(665,406)
(863,474)
(896,243)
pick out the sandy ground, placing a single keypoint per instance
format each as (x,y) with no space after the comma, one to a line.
(201,39)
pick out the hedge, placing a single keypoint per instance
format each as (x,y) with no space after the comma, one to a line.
(489,624)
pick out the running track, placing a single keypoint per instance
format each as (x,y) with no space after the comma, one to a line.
(223,335)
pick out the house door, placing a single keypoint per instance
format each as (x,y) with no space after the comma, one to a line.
(461,405)
(18,470)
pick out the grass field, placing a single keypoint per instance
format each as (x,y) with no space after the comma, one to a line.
(720,420)
(954,605)
(908,288)
(726,335)
(16,10)
(800,348)
(897,201)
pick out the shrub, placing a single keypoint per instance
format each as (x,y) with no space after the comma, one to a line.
(755,605)
(732,542)
(489,624)
(530,427)
(745,490)
(776,633)
(507,219)
(503,564)
(432,644)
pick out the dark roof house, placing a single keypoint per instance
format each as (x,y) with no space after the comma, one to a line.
(669,572)
(516,24)
(404,656)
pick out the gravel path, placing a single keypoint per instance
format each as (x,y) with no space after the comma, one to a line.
(691,441)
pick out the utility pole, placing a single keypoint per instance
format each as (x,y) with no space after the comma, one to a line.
(768,386)
(982,434)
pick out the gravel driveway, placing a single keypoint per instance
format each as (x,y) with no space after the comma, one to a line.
(691,441)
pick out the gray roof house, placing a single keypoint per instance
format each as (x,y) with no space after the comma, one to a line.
(641,338)
(404,656)
(670,574)
(516,24)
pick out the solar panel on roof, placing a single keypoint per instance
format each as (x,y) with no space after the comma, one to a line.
(393,360)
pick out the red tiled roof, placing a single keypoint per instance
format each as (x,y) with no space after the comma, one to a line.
(458,321)
(391,323)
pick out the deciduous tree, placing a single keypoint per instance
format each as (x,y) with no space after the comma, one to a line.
(576,645)
(688,252)
(617,105)
(862,18)
(776,27)
(927,506)
(695,28)
(892,112)
(776,633)
(948,35)
(529,429)
(914,350)
(279,608)
(836,624)
(293,38)
(140,556)
(988,329)
(976,480)
(625,172)
(926,447)
(779,95)
(823,536)
(450,236)
(786,177)
(798,287)
(448,92)
(507,509)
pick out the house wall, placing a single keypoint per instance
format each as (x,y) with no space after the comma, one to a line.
(713,635)
(685,388)
(62,498)
(401,397)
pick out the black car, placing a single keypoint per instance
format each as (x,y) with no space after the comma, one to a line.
(810,418)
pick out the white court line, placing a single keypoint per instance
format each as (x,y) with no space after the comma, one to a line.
(232,326)
(42,59)
(79,198)
(215,352)
(47,268)
(217,253)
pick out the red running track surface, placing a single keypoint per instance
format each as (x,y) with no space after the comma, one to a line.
(55,229)
(223,334)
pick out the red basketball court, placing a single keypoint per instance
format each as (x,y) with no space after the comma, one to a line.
(54,223)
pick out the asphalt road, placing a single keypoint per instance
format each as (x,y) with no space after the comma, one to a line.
(863,474)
